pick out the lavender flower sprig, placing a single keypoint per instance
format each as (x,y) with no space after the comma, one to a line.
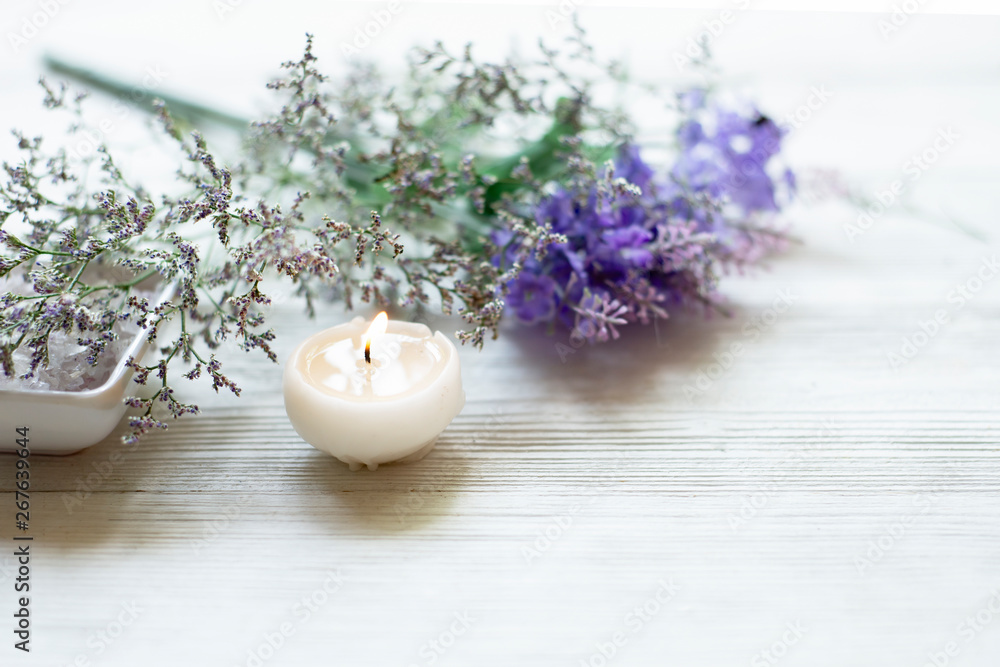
(569,227)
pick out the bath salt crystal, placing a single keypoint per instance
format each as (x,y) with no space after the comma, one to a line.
(68,369)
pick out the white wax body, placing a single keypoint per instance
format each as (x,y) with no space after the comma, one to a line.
(392,409)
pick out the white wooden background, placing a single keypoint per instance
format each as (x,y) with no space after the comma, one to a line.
(566,492)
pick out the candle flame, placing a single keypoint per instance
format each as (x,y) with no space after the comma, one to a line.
(378,327)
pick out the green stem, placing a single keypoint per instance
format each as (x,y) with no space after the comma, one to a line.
(76,278)
(125,90)
(38,251)
(148,273)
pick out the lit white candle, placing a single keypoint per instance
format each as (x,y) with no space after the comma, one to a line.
(373,395)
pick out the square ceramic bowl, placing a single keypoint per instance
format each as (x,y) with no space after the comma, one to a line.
(64,422)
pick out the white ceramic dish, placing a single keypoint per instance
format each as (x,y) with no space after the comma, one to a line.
(64,422)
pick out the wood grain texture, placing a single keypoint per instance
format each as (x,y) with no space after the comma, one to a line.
(808,485)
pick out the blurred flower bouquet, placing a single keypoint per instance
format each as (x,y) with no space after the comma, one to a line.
(474,188)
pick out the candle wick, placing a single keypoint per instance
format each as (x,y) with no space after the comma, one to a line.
(368,351)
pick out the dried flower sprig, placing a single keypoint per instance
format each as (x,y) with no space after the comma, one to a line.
(510,187)
(88,253)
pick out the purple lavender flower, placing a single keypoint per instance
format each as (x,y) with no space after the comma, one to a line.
(691,100)
(532,297)
(730,162)
(636,256)
(631,167)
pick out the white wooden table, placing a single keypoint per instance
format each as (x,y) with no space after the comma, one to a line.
(811,505)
